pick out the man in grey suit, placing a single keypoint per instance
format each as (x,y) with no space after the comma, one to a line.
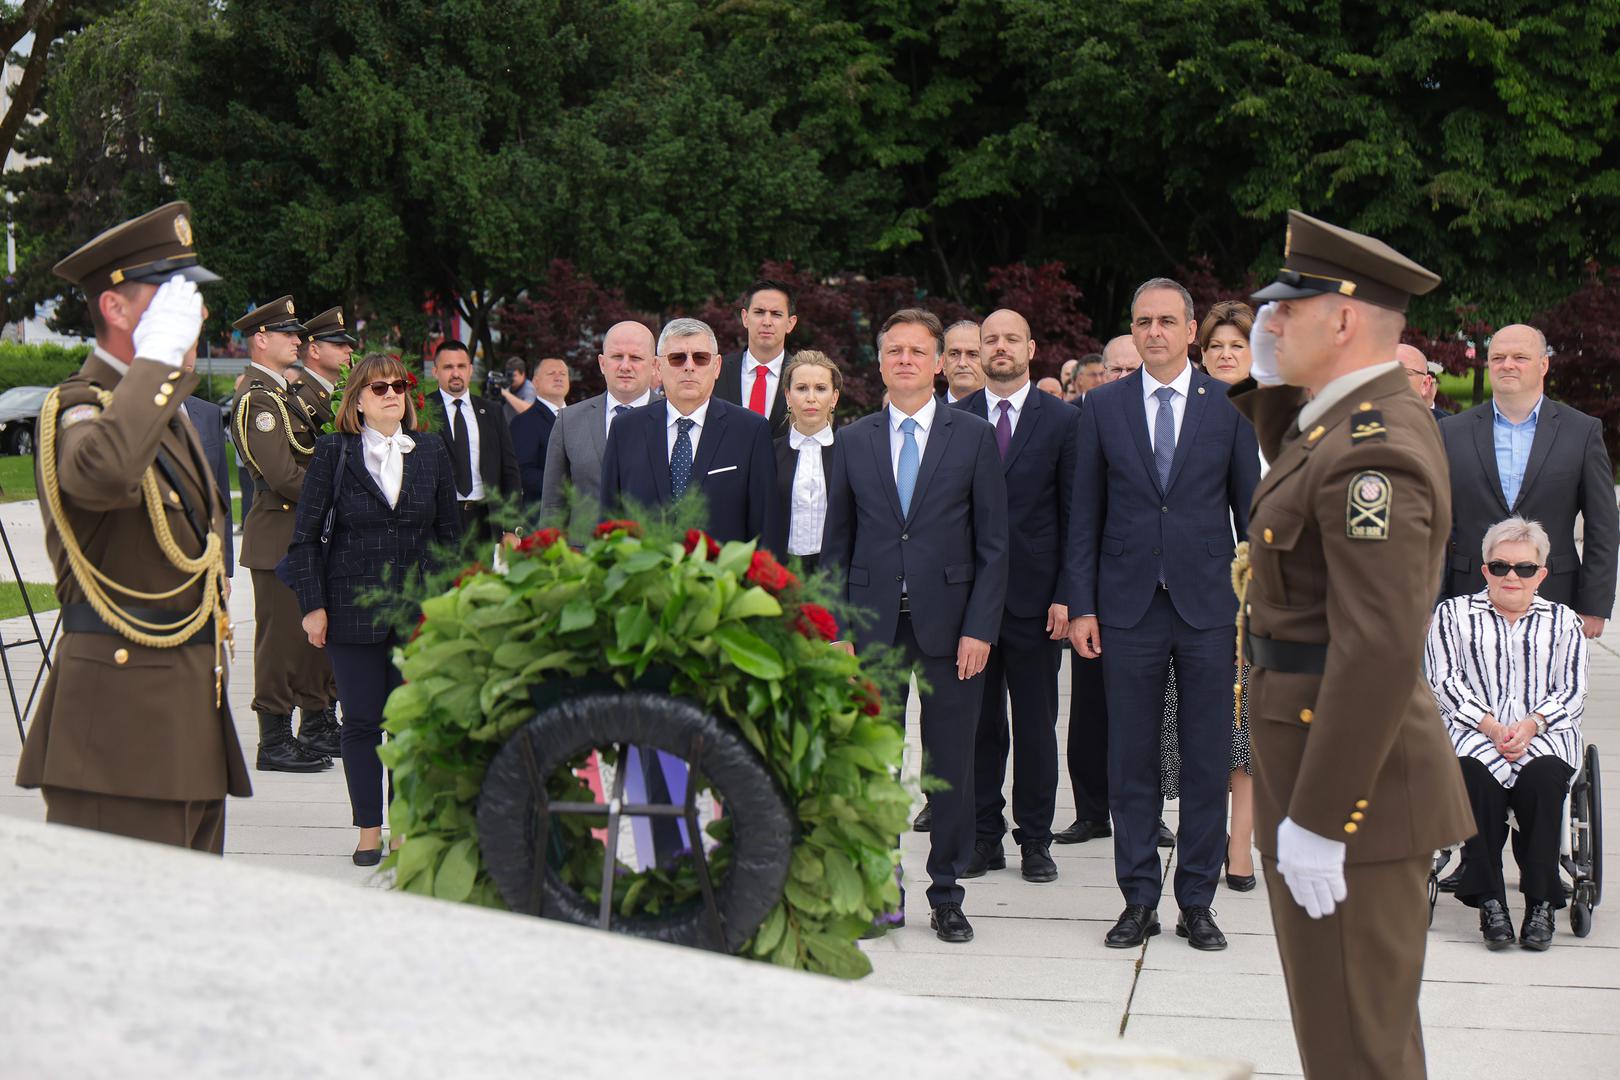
(574,455)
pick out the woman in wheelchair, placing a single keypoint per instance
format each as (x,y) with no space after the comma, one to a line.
(1508,670)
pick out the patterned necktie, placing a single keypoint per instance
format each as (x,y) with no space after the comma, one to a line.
(461,451)
(1164,435)
(1004,428)
(680,461)
(906,479)
(756,396)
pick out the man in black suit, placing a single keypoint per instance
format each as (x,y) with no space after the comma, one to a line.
(753,378)
(917,534)
(1165,466)
(531,435)
(963,365)
(692,441)
(481,455)
(1035,438)
(209,420)
(1523,454)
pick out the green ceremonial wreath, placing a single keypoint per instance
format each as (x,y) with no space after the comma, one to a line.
(424,422)
(740,637)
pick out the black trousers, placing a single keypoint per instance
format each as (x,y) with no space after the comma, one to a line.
(1537,801)
(1023,666)
(475,520)
(1088,738)
(1136,661)
(950,714)
(366,676)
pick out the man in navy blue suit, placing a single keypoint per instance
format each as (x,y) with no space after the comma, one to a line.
(917,533)
(693,441)
(1035,438)
(1166,465)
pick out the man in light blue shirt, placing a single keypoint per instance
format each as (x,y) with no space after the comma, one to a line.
(1513,440)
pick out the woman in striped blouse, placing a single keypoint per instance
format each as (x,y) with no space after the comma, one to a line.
(1508,670)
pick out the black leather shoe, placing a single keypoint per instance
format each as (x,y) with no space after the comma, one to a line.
(1536,932)
(1197,925)
(950,924)
(318,732)
(1451,881)
(924,822)
(367,856)
(280,752)
(1136,924)
(1167,838)
(1037,864)
(1081,831)
(987,855)
(1495,925)
(1237,882)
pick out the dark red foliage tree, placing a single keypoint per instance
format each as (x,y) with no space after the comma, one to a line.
(1583,332)
(1051,303)
(565,315)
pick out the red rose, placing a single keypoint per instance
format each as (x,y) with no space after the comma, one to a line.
(871,699)
(613,525)
(696,536)
(471,571)
(815,620)
(766,572)
(539,541)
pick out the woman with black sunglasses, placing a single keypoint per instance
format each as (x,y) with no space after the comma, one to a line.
(376,499)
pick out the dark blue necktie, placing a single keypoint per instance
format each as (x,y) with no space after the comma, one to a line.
(1164,435)
(680,462)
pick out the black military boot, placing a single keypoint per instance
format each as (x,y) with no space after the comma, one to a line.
(280,752)
(318,732)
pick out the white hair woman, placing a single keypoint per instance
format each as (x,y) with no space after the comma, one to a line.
(1508,670)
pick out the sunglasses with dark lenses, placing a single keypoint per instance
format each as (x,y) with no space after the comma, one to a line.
(1525,570)
(398,386)
(700,359)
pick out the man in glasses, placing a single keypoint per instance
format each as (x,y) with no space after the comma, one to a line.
(1120,358)
(1420,372)
(693,442)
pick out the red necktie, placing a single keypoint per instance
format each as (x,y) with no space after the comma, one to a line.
(756,397)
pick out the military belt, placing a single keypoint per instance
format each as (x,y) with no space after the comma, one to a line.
(1288,657)
(82,619)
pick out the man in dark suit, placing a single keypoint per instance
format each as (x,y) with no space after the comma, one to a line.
(753,378)
(1165,466)
(209,420)
(531,435)
(1035,437)
(917,534)
(692,441)
(1520,453)
(480,446)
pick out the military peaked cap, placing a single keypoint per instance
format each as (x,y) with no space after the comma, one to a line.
(1320,258)
(329,326)
(276,317)
(151,248)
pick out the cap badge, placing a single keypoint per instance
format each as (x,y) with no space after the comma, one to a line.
(182,229)
(289,307)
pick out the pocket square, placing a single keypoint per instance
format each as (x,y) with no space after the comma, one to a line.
(728,468)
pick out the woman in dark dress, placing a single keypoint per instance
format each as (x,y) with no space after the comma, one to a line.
(803,455)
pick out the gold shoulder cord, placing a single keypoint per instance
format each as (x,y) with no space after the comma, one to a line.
(1241,575)
(286,427)
(209,566)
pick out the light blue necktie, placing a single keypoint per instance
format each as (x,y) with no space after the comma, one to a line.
(906,479)
(1164,435)
(680,461)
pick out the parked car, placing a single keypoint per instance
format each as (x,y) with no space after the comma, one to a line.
(19,412)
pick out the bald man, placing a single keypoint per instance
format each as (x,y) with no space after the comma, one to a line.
(1418,373)
(573,471)
(1120,358)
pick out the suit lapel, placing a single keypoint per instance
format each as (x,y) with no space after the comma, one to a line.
(880,455)
(359,474)
(594,416)
(714,429)
(1191,416)
(1540,446)
(1485,446)
(657,449)
(1034,409)
(930,459)
(1136,420)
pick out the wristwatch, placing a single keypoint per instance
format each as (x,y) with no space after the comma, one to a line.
(1541,724)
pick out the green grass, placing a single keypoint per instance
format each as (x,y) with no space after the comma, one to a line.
(41,595)
(1460,388)
(17,478)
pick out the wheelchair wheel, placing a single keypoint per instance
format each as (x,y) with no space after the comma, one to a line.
(1586,846)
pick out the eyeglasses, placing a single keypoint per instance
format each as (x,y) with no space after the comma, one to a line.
(1525,570)
(678,359)
(398,386)
(1415,374)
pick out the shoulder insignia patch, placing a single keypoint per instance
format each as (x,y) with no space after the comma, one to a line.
(1368,424)
(1367,507)
(264,422)
(79,412)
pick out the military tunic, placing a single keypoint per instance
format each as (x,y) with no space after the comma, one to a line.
(314,680)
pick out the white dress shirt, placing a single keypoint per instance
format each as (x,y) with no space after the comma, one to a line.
(611,403)
(807,509)
(385,459)
(672,414)
(925,420)
(1178,401)
(471,420)
(773,378)
(1016,400)
(322,383)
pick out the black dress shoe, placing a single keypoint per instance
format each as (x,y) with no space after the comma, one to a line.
(987,855)
(1536,932)
(1495,925)
(1136,924)
(1166,837)
(924,822)
(1451,881)
(1037,864)
(1081,831)
(1237,882)
(367,856)
(950,924)
(1197,925)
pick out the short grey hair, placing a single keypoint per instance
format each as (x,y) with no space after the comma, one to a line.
(962,324)
(1541,337)
(1163,283)
(685,328)
(1516,530)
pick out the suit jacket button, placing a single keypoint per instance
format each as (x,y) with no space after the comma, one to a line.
(899,577)
(1164,509)
(1266,536)
(286,506)
(1306,716)
(1156,551)
(1361,804)
(1351,827)
(905,536)
(121,656)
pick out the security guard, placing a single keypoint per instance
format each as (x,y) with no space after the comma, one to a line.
(275,434)
(133,734)
(1356,783)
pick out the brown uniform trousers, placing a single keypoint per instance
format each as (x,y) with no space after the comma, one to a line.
(1346,538)
(129,739)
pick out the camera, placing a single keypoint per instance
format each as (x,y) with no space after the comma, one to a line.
(495,382)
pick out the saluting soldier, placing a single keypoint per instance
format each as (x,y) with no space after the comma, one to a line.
(133,734)
(1356,783)
(275,434)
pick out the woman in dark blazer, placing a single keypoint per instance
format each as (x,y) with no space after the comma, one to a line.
(395,499)
(804,456)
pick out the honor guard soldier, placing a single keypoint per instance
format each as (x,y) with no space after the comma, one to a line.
(1356,783)
(275,434)
(133,734)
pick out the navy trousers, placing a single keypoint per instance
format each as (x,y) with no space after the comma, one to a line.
(365,677)
(1088,739)
(1135,662)
(1023,665)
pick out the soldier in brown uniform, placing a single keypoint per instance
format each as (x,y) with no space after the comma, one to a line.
(275,434)
(133,734)
(1356,783)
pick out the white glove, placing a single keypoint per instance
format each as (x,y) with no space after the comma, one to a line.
(1313,866)
(171,322)
(1263,348)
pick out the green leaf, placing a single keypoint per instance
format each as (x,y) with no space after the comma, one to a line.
(632,626)
(844,882)
(837,956)
(454,880)
(753,603)
(770,934)
(416,854)
(749,651)
(577,615)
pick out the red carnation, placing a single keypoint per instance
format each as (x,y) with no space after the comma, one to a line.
(772,576)
(696,536)
(815,620)
(871,699)
(613,525)
(539,541)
